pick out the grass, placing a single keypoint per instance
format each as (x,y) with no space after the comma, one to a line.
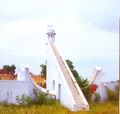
(103,108)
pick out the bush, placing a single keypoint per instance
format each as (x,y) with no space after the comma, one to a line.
(97,97)
(24,100)
(113,95)
(43,98)
(39,98)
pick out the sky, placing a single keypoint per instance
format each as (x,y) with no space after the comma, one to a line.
(86,33)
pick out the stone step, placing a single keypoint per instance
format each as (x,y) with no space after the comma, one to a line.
(73,89)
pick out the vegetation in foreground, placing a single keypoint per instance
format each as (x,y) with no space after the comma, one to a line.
(43,104)
(96,108)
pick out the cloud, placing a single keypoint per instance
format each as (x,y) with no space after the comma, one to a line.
(101,14)
(86,31)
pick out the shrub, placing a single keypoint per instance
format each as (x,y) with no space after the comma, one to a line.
(113,95)
(97,97)
(39,98)
(43,98)
(24,100)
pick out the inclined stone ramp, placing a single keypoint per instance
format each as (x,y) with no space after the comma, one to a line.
(24,75)
(77,94)
(41,89)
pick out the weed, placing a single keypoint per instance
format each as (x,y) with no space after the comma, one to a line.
(96,108)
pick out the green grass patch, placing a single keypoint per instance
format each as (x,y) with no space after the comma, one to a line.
(96,108)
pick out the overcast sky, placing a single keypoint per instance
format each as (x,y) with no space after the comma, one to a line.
(86,33)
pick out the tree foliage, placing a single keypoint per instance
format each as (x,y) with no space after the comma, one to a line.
(83,83)
(43,70)
(10,69)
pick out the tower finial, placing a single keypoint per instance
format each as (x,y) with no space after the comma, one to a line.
(51,33)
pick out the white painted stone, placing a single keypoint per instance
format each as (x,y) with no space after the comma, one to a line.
(56,80)
(9,89)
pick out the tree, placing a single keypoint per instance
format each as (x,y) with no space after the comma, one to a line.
(83,83)
(13,69)
(43,71)
(10,69)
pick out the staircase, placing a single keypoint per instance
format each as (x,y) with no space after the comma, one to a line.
(79,98)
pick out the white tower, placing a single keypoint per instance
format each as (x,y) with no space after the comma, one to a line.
(60,79)
(51,34)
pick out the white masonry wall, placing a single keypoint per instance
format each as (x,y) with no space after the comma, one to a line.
(102,89)
(99,81)
(9,89)
(24,84)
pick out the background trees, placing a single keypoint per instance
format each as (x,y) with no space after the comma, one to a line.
(43,70)
(83,83)
(10,69)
